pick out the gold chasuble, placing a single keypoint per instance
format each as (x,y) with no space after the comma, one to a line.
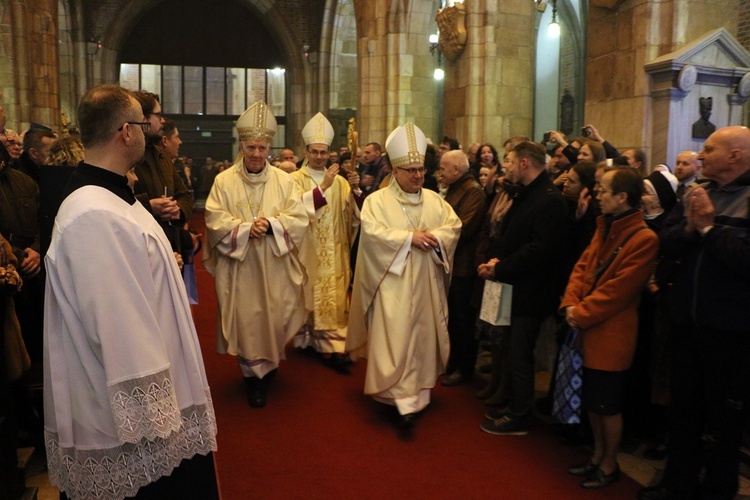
(399,311)
(326,250)
(259,281)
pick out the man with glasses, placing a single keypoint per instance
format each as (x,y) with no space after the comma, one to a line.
(159,186)
(399,311)
(126,401)
(334,217)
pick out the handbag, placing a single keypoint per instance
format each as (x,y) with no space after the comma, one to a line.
(566,397)
(496,303)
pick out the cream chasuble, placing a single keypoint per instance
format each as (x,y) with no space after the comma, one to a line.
(326,253)
(399,311)
(258,281)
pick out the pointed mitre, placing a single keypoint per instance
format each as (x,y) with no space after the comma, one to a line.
(318,131)
(406,146)
(257,123)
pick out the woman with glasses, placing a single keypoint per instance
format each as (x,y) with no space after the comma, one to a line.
(601,301)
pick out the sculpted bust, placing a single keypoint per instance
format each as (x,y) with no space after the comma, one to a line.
(702,128)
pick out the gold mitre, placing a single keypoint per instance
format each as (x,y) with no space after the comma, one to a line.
(318,131)
(406,146)
(257,123)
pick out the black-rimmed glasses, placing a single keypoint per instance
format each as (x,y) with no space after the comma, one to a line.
(145,126)
(413,171)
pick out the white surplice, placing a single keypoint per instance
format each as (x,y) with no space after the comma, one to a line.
(126,397)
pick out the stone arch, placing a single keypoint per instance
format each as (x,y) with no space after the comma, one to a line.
(115,25)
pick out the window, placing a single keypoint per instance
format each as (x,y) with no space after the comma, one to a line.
(171,95)
(217,91)
(193,90)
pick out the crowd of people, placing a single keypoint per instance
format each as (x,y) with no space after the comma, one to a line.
(380,253)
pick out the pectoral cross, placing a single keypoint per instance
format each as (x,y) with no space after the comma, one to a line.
(253,209)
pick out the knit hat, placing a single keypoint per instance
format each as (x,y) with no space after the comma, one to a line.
(664,185)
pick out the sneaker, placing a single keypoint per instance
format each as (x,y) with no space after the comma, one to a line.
(506,426)
(498,413)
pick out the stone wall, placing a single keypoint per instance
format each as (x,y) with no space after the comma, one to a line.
(622,41)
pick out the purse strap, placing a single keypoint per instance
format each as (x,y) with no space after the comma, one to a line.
(600,270)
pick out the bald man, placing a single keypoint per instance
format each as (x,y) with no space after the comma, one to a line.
(686,170)
(467,199)
(710,319)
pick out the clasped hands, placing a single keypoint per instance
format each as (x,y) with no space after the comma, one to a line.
(700,211)
(259,228)
(165,208)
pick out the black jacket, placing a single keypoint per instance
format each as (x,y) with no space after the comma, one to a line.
(533,245)
(711,284)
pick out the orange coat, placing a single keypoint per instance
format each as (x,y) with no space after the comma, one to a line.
(608,315)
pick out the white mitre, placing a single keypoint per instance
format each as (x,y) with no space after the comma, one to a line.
(406,146)
(257,123)
(318,131)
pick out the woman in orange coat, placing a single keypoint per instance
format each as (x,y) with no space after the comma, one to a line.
(601,300)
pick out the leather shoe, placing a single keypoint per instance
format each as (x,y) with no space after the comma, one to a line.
(339,362)
(408,420)
(256,394)
(454,379)
(598,479)
(657,492)
(583,469)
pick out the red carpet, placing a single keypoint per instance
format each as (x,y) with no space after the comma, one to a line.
(320,437)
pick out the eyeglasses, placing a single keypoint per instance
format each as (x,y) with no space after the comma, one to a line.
(145,126)
(413,171)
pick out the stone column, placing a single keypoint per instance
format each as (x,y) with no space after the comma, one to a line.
(394,67)
(489,89)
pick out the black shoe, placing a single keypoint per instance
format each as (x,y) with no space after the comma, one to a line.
(256,394)
(598,479)
(340,362)
(407,421)
(506,426)
(657,492)
(455,378)
(583,469)
(497,414)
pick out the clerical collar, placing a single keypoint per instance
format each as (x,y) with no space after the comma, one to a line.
(90,175)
